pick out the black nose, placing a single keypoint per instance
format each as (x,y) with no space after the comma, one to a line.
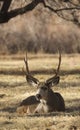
(38,96)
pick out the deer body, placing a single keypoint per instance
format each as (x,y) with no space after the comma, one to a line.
(45,100)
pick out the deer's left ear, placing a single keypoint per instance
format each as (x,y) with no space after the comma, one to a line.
(52,81)
(31,80)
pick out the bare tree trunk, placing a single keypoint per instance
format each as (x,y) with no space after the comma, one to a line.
(6,5)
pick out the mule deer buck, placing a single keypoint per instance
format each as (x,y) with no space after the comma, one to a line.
(45,100)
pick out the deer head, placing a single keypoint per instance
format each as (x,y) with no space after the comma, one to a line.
(43,87)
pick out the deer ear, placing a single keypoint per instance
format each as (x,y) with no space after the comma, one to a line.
(52,81)
(31,80)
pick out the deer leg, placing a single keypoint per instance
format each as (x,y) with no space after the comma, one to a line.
(39,108)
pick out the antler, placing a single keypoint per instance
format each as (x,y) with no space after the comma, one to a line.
(26,63)
(58,68)
(55,79)
(30,79)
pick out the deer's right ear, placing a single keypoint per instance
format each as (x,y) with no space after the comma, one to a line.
(52,81)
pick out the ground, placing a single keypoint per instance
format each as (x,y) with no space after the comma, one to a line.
(14,88)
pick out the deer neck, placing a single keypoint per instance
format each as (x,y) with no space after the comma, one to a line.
(51,97)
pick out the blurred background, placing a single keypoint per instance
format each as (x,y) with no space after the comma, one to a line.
(40,30)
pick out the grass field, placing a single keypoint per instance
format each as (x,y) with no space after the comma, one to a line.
(14,88)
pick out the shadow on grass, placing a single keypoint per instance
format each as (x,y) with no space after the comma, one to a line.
(62,72)
(9,109)
(73,105)
(72,109)
(69,84)
(6,84)
(41,72)
(66,113)
(2,95)
(7,123)
(15,84)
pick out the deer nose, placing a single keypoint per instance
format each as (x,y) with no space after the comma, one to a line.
(38,96)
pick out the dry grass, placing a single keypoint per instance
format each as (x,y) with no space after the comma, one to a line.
(13,89)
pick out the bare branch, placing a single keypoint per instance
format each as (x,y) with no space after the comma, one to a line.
(60,10)
(6,5)
(6,16)
(26,64)
(58,68)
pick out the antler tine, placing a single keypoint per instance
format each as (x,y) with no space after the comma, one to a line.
(26,63)
(58,68)
(30,79)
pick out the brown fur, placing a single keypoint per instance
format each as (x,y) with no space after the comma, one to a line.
(28,105)
(50,101)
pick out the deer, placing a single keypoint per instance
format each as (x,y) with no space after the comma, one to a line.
(45,100)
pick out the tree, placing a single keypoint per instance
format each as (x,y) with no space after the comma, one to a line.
(6,5)
(67,9)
